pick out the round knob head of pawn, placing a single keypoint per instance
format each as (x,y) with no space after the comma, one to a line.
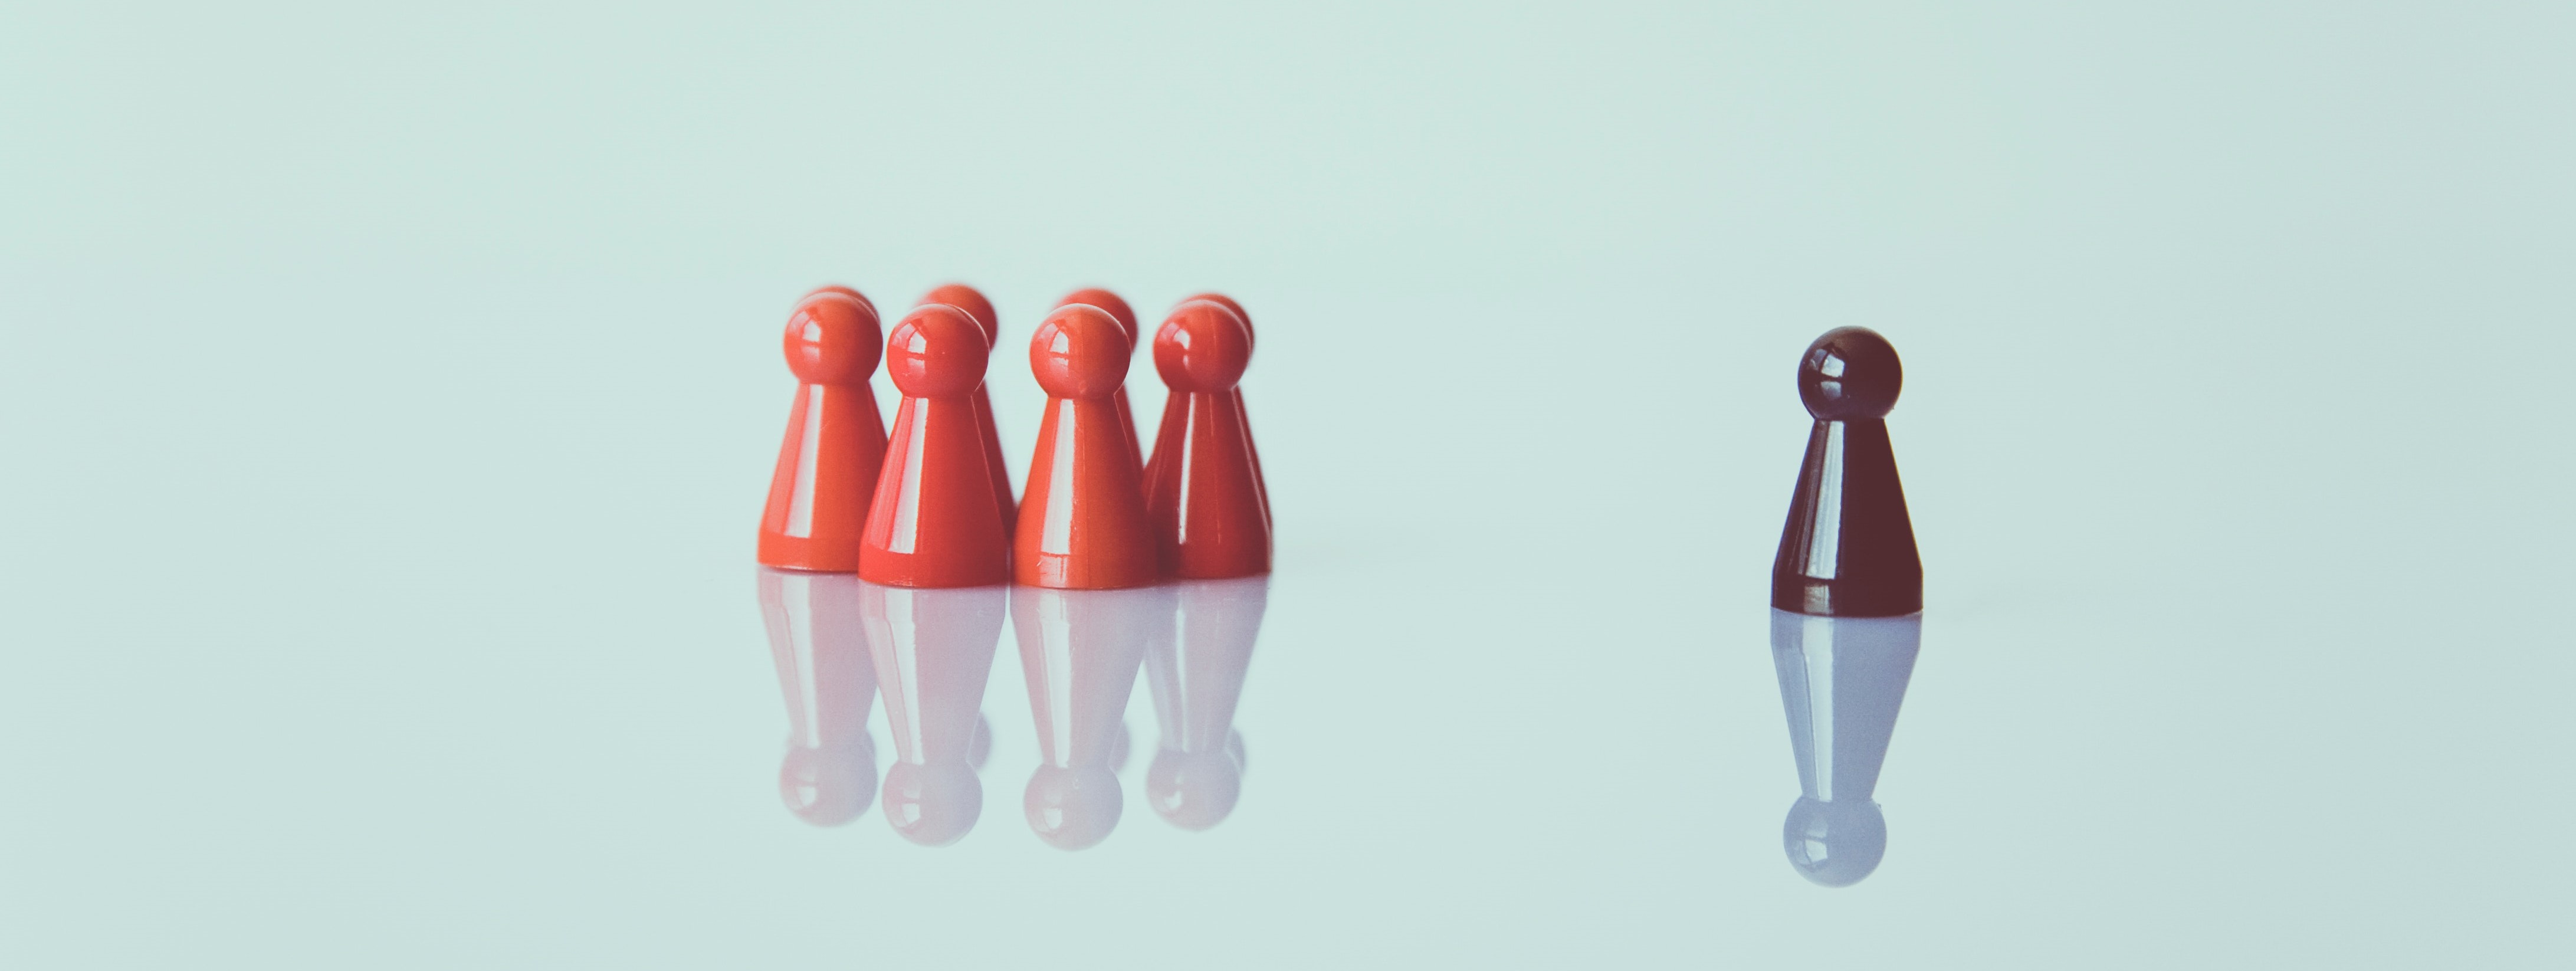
(936,352)
(1079,352)
(1202,348)
(832,339)
(1850,374)
(971,301)
(1111,302)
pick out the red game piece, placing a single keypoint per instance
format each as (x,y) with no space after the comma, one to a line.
(1848,547)
(972,301)
(933,523)
(1249,444)
(1082,525)
(934,652)
(1079,650)
(820,494)
(830,772)
(1126,317)
(1205,495)
(1196,677)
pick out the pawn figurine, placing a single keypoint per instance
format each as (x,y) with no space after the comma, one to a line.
(1126,318)
(827,470)
(934,523)
(1083,525)
(1848,547)
(972,301)
(1204,492)
(1250,339)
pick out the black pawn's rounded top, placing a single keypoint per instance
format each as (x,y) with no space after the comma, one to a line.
(1849,374)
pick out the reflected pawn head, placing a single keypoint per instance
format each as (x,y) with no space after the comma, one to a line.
(1850,374)
(1073,808)
(828,786)
(934,804)
(1194,790)
(1834,844)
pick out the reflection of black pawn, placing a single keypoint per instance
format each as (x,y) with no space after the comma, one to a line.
(1080,649)
(933,650)
(1196,676)
(1848,548)
(1841,681)
(830,770)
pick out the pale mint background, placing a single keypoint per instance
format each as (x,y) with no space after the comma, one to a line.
(387,400)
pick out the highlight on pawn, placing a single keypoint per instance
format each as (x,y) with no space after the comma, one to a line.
(924,498)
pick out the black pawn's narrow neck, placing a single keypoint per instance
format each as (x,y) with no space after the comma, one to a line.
(1848,548)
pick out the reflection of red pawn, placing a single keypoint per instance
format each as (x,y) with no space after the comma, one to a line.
(830,772)
(933,523)
(1083,525)
(934,653)
(1196,676)
(972,301)
(1079,650)
(1205,494)
(1126,317)
(827,468)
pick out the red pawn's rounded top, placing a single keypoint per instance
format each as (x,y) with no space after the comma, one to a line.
(1850,373)
(1228,303)
(1105,300)
(832,339)
(971,301)
(844,291)
(1202,347)
(1079,351)
(936,352)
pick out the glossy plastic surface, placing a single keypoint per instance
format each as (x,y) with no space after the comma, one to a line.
(1848,547)
(825,480)
(1195,677)
(1250,340)
(1842,680)
(934,652)
(829,774)
(1079,650)
(978,308)
(934,523)
(1203,489)
(1082,525)
(1126,317)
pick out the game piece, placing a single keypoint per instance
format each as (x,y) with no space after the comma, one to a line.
(1842,680)
(829,774)
(844,291)
(1848,548)
(1249,445)
(826,477)
(1204,495)
(1082,524)
(1079,650)
(972,301)
(1126,317)
(934,652)
(934,523)
(1196,678)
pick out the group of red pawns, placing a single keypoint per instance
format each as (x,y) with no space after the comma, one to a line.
(931,506)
